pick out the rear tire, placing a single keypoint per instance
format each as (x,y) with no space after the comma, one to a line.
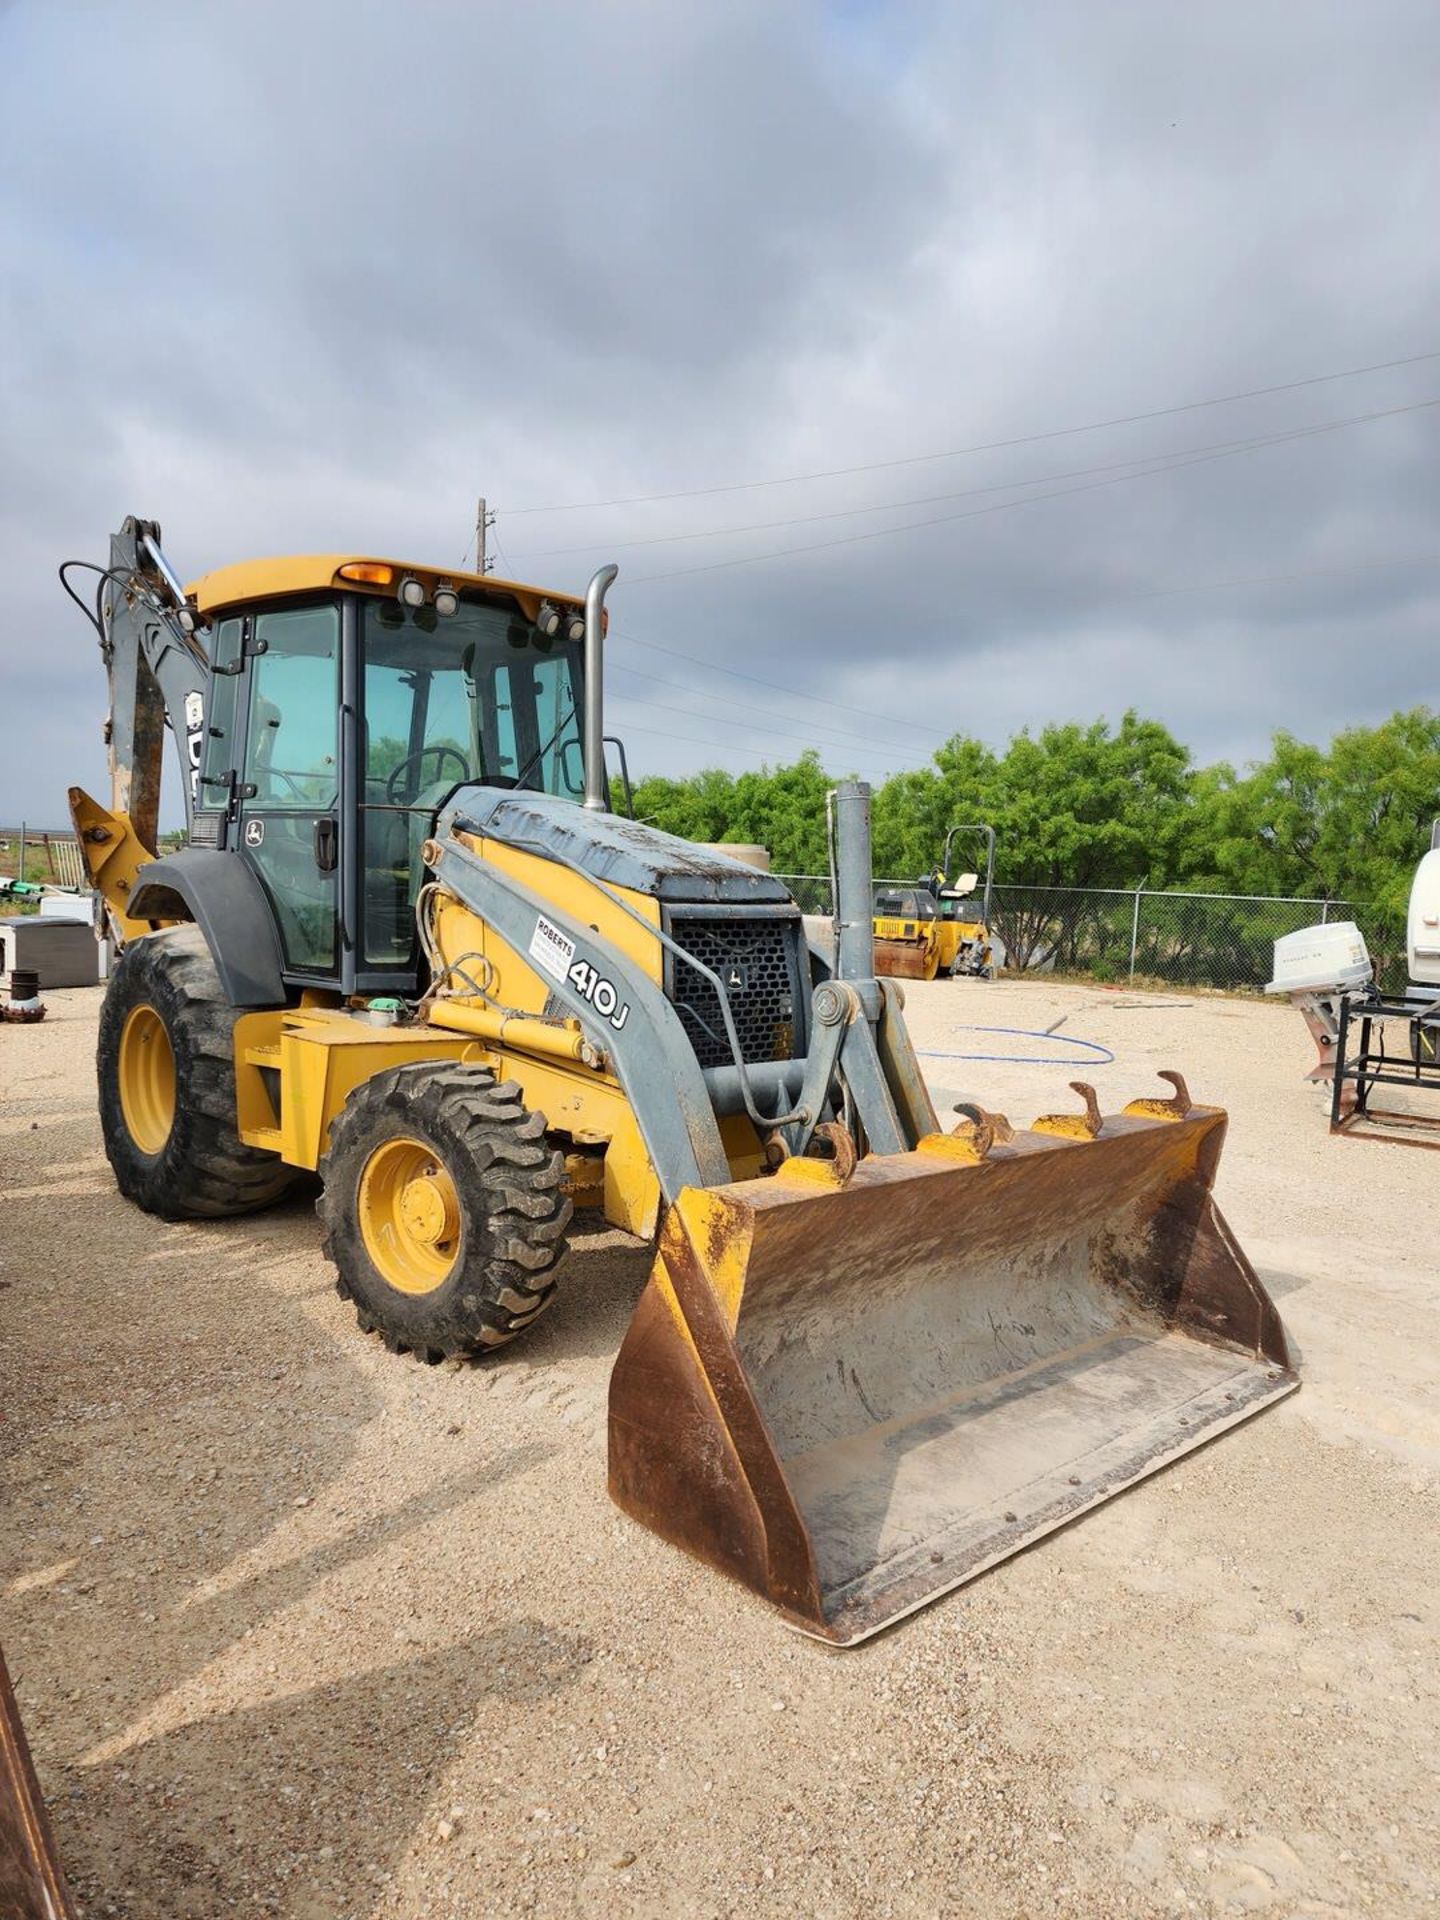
(166,1067)
(443,1210)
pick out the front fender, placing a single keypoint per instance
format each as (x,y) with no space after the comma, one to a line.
(224,898)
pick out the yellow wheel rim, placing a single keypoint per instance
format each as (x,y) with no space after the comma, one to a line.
(409,1215)
(147,1079)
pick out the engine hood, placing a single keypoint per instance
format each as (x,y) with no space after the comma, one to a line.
(621,852)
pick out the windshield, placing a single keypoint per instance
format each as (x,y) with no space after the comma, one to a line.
(479,696)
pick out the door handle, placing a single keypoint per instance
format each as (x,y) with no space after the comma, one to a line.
(327,844)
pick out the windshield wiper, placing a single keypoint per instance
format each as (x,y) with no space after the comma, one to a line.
(540,752)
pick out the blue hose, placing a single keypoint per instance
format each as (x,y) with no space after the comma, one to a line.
(1089,1053)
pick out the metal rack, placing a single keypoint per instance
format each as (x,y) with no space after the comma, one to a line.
(1363,1022)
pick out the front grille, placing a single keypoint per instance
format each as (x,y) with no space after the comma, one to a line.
(759,961)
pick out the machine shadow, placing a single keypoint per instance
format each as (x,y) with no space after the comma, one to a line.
(352,1765)
(117,1600)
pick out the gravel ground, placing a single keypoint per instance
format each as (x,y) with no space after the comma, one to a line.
(302,1629)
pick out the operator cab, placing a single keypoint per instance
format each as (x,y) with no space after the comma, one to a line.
(341,718)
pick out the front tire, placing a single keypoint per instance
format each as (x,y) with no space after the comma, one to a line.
(166,1067)
(443,1210)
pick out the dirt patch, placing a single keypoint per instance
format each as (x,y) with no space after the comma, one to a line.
(302,1629)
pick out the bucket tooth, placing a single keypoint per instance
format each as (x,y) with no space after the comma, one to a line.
(843,1157)
(855,1396)
(1175,1108)
(1074,1126)
(981,1127)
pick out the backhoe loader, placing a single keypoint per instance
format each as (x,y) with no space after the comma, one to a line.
(410,948)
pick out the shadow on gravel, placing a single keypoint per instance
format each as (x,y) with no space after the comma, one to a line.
(599,1282)
(170,1403)
(1277,1283)
(346,1773)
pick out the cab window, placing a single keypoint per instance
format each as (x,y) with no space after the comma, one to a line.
(292,740)
(478,696)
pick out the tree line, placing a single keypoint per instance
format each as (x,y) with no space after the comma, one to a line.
(1094,806)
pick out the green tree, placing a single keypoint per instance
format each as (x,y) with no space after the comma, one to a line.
(913,811)
(1091,806)
(699,807)
(1344,824)
(1080,806)
(784,809)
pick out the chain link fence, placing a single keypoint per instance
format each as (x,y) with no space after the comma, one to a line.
(1223,940)
(811,891)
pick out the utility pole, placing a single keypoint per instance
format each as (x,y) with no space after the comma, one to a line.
(484,520)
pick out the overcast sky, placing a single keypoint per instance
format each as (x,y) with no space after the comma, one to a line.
(311,276)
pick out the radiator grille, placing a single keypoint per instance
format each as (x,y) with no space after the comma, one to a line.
(759,962)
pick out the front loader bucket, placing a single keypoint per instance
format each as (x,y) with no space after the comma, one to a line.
(855,1395)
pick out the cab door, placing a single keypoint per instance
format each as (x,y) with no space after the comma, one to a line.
(286,814)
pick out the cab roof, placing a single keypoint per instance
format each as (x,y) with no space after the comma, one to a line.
(292,574)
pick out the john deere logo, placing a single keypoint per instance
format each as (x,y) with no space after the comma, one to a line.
(737,979)
(254,833)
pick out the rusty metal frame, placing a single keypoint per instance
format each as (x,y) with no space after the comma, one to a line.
(1370,1066)
(32,1881)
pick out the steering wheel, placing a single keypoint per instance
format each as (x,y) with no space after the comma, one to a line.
(292,781)
(415,759)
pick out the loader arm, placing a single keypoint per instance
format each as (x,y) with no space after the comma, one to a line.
(859,1046)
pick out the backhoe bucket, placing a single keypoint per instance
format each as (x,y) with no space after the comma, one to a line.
(853,1395)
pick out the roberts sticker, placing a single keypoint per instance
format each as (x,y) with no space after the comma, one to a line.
(551,950)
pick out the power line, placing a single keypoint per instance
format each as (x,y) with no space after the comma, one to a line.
(842,735)
(1278,579)
(866,713)
(721,746)
(985,446)
(756,726)
(1003,506)
(1143,463)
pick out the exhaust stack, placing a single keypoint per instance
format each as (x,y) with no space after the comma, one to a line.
(595,687)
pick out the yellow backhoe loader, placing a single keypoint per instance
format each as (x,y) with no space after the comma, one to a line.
(410,947)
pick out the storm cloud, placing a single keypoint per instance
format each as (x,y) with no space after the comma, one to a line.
(312,276)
